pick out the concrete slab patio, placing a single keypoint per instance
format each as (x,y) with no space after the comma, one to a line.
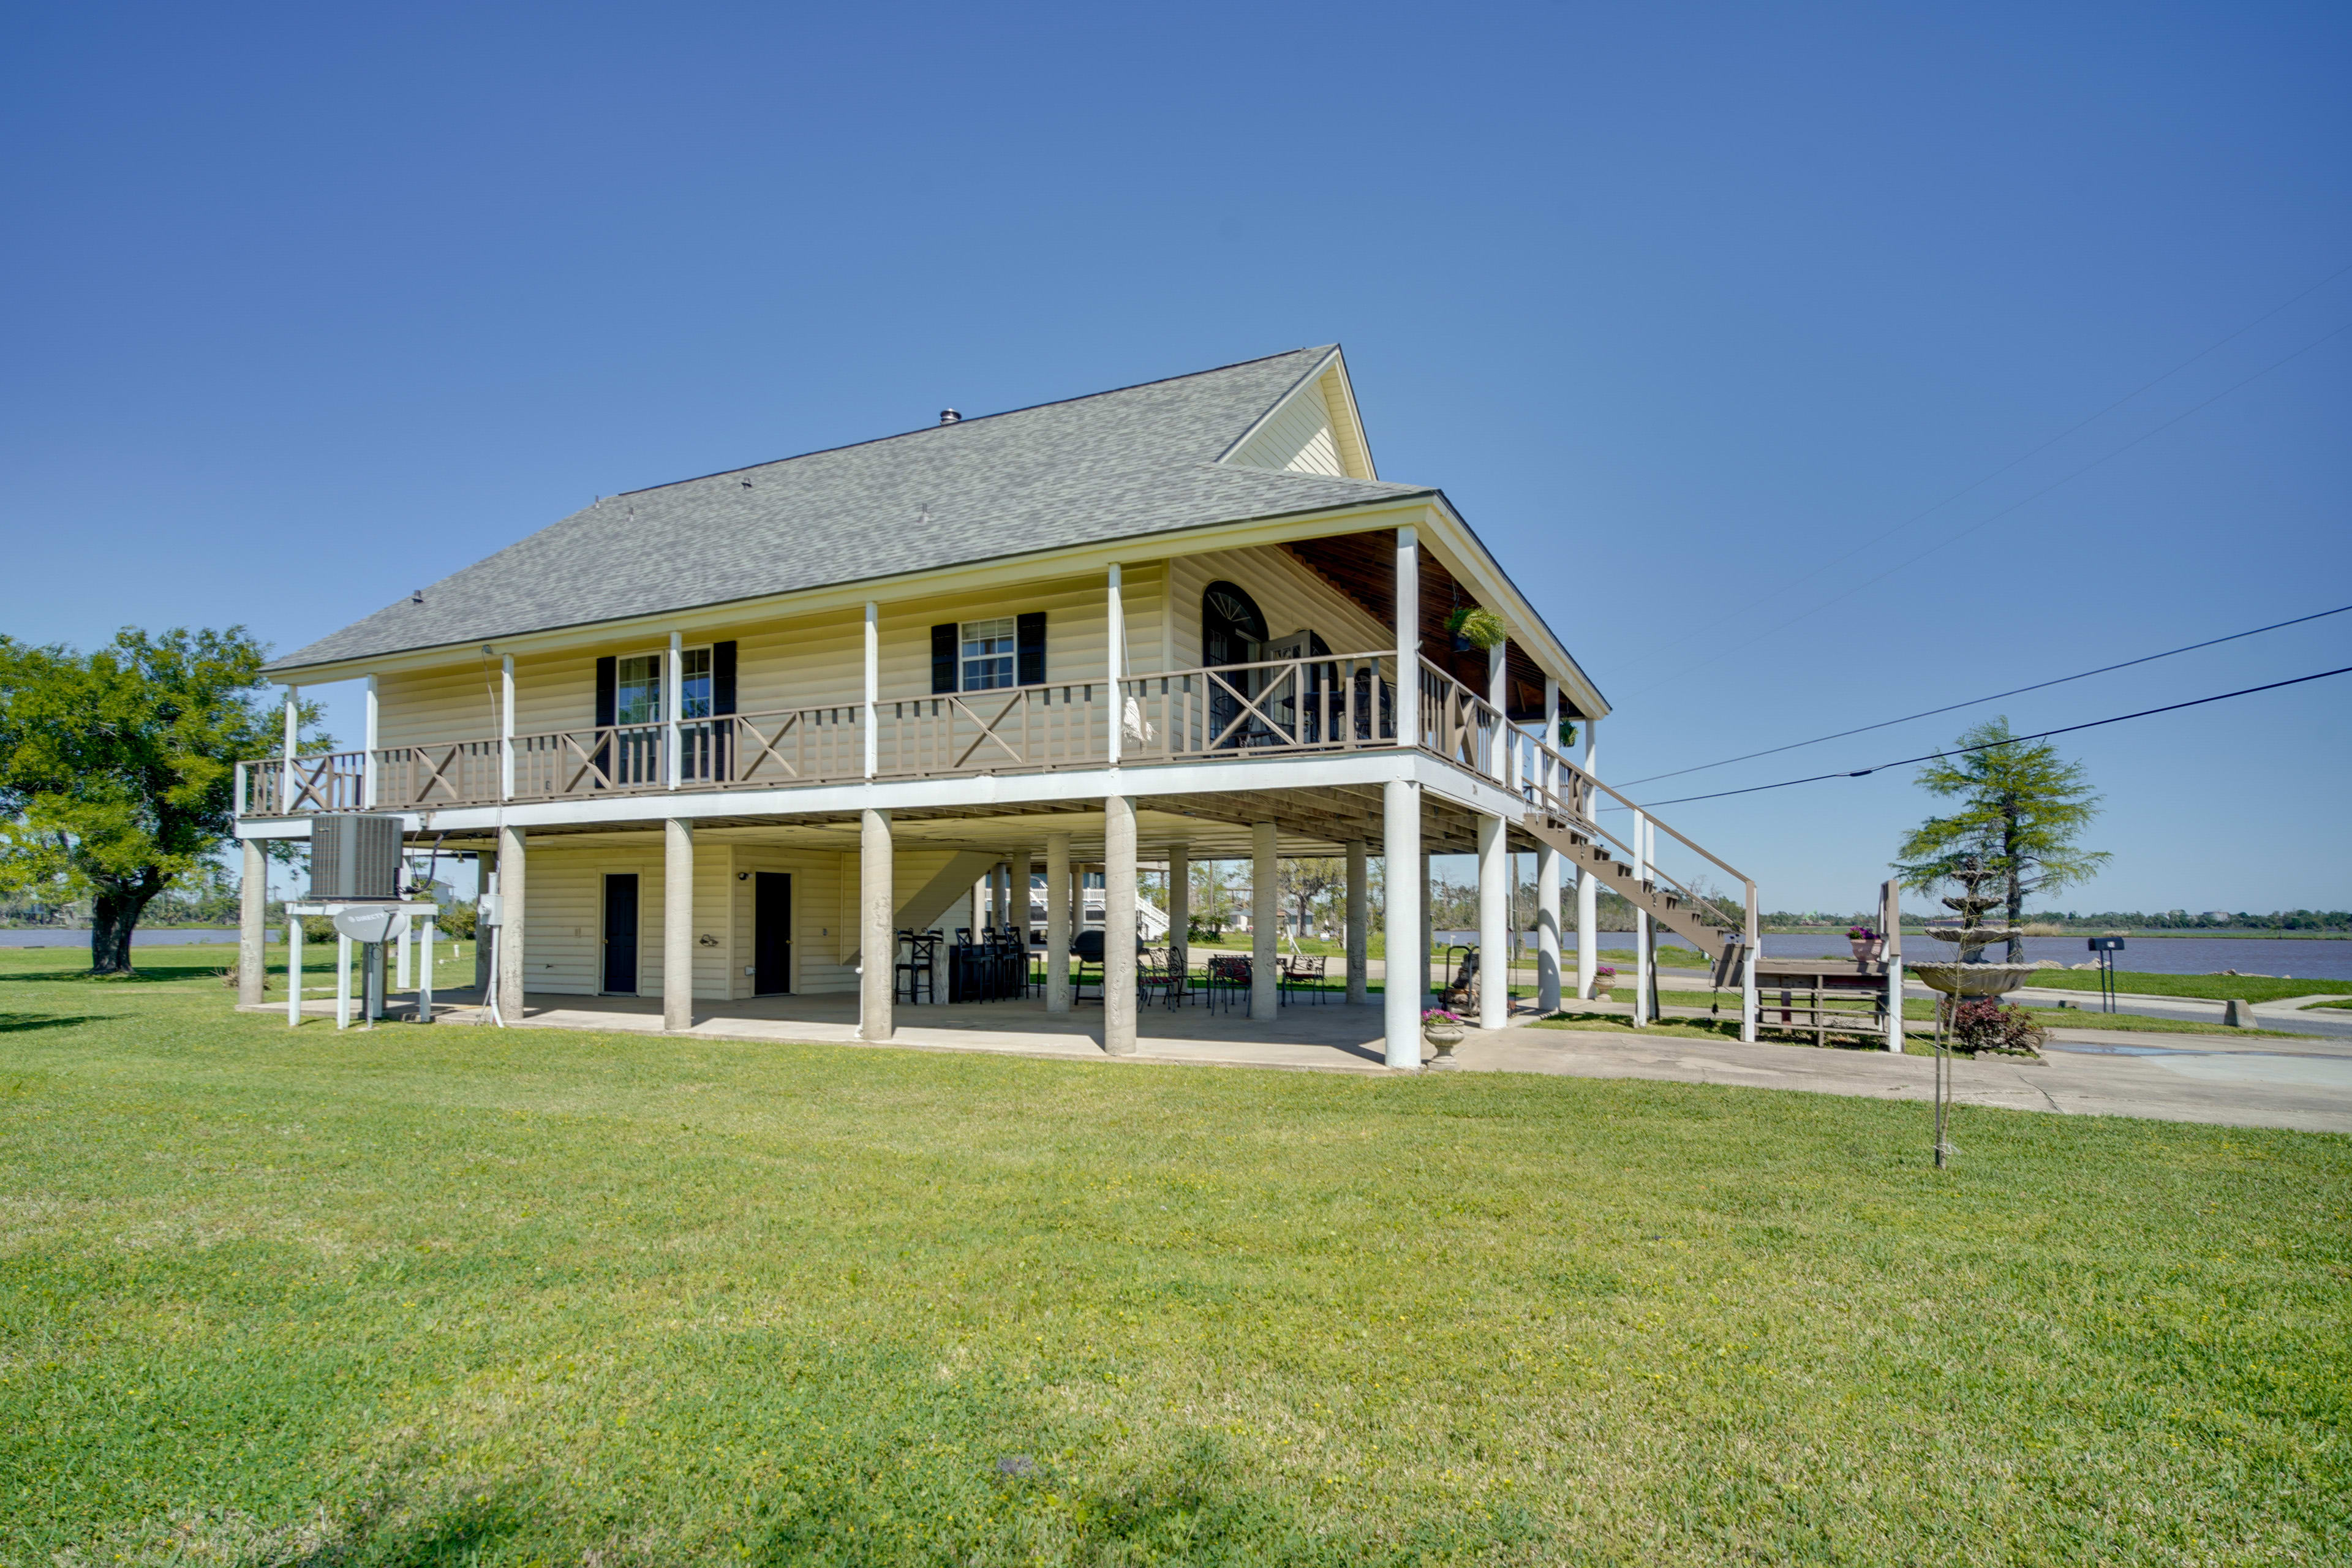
(2304,1084)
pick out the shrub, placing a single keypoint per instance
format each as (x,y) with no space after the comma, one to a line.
(1986,1025)
(456,922)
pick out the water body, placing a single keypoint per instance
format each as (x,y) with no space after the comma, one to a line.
(50,936)
(2306,958)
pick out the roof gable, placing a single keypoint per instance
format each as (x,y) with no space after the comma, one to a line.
(1137,462)
(1313,429)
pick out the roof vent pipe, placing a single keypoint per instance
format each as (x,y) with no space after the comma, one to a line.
(950,416)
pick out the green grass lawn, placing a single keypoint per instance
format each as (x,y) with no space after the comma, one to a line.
(2212,987)
(455,1295)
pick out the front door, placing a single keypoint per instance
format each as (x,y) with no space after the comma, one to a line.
(771,933)
(621,934)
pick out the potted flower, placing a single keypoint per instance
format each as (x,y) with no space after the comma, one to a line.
(1442,1029)
(1868,945)
(1473,626)
(1604,975)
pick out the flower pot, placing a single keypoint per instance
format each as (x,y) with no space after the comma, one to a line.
(1444,1037)
(1871,951)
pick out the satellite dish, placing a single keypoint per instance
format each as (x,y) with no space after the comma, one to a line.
(385,923)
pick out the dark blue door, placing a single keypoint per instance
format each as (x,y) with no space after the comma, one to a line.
(621,934)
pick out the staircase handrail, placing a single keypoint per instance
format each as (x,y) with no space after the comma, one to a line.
(1726,866)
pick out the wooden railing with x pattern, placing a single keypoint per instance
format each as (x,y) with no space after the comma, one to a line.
(1326,703)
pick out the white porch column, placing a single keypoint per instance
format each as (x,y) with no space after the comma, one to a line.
(343,980)
(252,907)
(1025,872)
(1890,921)
(673,692)
(1494,924)
(1116,662)
(424,977)
(1408,672)
(1118,925)
(506,728)
(873,688)
(1749,1017)
(1360,920)
(371,731)
(293,970)
(511,943)
(1425,962)
(678,925)
(1644,949)
(1057,922)
(1266,920)
(1401,858)
(1548,868)
(1498,691)
(878,981)
(1179,905)
(286,791)
(1587,886)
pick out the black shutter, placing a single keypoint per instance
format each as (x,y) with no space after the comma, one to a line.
(723,678)
(607,704)
(1029,645)
(943,658)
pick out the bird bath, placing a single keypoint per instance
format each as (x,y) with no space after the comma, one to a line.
(1969,977)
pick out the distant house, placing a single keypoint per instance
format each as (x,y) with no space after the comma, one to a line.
(730,736)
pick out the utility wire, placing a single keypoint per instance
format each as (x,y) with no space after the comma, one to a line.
(1979,484)
(1973,702)
(2013,740)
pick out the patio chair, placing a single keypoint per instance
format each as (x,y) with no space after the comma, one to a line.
(1228,973)
(915,979)
(1084,949)
(1305,970)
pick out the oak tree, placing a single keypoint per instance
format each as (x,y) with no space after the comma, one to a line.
(117,767)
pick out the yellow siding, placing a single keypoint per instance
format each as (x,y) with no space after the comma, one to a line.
(564,940)
(806,662)
(820,659)
(455,703)
(1298,438)
(1291,597)
(565,917)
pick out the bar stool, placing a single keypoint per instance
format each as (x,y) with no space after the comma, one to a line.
(917,975)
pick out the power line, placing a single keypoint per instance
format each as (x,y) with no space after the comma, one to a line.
(1980,483)
(2012,741)
(1973,702)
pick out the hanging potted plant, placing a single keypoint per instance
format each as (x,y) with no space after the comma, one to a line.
(1442,1030)
(1567,733)
(1868,945)
(1475,626)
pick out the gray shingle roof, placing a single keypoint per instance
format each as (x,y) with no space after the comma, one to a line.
(1117,465)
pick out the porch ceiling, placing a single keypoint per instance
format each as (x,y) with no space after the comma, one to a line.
(1309,822)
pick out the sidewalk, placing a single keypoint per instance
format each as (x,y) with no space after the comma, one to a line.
(2303,1084)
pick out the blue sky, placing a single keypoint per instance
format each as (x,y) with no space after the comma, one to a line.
(307,306)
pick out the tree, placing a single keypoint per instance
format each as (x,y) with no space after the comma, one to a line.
(117,767)
(2023,808)
(1213,894)
(1308,880)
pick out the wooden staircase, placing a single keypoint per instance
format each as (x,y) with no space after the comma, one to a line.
(1695,921)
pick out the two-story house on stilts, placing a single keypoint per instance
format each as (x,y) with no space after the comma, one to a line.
(730,738)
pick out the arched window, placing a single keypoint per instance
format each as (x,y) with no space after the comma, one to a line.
(1232,630)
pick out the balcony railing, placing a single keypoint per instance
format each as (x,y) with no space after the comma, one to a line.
(1326,704)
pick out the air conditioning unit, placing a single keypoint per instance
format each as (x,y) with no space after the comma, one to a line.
(354,855)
